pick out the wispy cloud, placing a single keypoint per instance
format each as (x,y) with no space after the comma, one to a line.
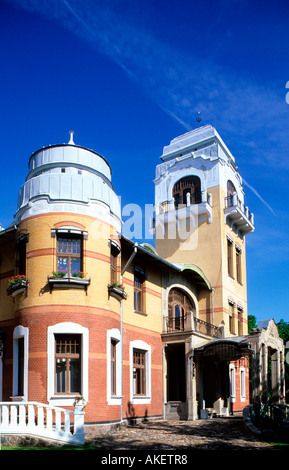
(180,82)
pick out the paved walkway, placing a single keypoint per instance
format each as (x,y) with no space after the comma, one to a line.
(217,433)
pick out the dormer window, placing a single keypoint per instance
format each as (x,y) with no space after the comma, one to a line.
(187,189)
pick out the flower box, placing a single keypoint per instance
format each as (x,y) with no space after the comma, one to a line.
(117,290)
(16,285)
(68,282)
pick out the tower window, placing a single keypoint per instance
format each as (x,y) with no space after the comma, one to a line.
(21,256)
(238,265)
(230,192)
(230,257)
(69,253)
(114,274)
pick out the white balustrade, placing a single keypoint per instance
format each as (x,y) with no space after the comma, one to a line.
(43,421)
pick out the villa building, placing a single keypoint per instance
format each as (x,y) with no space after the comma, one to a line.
(135,331)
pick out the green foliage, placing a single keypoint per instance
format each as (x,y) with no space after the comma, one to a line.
(252,323)
(283,329)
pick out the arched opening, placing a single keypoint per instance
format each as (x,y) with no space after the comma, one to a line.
(180,309)
(230,193)
(179,306)
(188,187)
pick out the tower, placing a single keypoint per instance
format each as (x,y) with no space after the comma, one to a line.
(67,229)
(201,219)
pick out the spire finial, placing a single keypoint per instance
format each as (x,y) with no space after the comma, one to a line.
(199,118)
(71,138)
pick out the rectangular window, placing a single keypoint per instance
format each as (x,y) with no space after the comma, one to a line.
(113,366)
(231,318)
(232,382)
(230,257)
(69,253)
(21,256)
(114,277)
(139,279)
(139,372)
(238,265)
(67,364)
(243,387)
(239,321)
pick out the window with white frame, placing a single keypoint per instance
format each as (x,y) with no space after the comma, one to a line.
(20,362)
(113,367)
(232,378)
(243,383)
(67,363)
(140,372)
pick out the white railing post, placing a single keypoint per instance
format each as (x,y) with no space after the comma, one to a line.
(49,420)
(22,415)
(67,424)
(40,420)
(31,415)
(5,415)
(58,420)
(13,410)
(79,423)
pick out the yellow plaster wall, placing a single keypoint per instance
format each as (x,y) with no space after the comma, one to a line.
(151,318)
(41,261)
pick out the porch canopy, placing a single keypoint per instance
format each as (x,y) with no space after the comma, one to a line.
(224,349)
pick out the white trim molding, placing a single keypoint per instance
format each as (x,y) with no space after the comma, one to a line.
(20,332)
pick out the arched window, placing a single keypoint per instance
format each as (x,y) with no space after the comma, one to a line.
(178,307)
(189,185)
(230,192)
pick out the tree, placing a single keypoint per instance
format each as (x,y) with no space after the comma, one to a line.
(283,329)
(252,323)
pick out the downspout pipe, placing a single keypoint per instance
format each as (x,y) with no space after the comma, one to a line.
(121,329)
(213,306)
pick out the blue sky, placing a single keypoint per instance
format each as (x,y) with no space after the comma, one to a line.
(129,76)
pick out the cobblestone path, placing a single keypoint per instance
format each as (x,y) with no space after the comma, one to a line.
(218,433)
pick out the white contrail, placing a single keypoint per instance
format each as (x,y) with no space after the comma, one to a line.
(258,195)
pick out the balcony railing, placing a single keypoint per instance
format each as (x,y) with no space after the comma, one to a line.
(190,323)
(201,197)
(238,214)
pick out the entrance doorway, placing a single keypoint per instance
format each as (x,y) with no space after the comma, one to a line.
(215,381)
(176,405)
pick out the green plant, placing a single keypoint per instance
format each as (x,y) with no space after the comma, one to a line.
(15,279)
(117,284)
(78,274)
(59,273)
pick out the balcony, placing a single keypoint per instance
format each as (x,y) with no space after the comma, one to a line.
(189,323)
(238,216)
(200,201)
